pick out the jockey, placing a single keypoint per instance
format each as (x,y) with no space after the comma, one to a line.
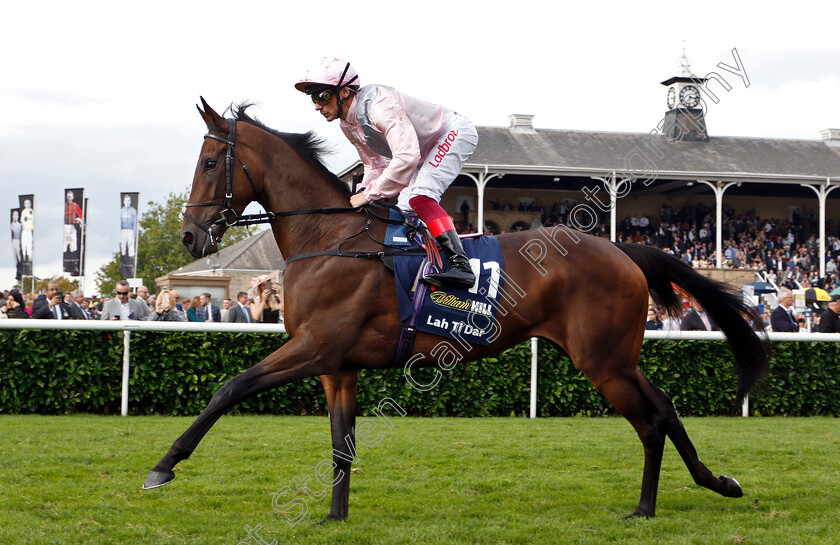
(427,145)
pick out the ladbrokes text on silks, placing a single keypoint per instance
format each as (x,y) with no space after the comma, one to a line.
(443,149)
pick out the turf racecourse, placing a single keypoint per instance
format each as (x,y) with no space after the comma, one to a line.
(76,480)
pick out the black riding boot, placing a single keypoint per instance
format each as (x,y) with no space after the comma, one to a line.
(459,274)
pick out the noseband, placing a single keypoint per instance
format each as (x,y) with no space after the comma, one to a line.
(227,203)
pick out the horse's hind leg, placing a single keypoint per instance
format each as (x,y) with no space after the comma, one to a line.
(625,393)
(702,475)
(651,413)
(340,388)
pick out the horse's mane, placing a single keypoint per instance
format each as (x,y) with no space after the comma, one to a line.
(308,145)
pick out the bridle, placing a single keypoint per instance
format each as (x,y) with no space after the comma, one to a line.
(227,203)
(268,217)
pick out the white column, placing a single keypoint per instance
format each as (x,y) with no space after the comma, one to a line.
(613,204)
(719,188)
(719,228)
(821,199)
(534,348)
(126,360)
(480,184)
(822,191)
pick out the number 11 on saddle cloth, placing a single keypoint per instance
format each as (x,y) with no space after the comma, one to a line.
(468,313)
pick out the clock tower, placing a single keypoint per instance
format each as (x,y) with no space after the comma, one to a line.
(685,120)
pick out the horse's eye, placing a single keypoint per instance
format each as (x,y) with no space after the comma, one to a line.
(210,164)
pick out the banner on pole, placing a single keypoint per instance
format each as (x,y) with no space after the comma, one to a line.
(74,226)
(128,234)
(14,224)
(27,233)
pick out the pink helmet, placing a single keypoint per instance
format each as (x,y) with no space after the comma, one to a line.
(330,72)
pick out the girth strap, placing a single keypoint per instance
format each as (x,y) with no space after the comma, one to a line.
(408,333)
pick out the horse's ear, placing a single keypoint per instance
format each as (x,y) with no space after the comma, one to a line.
(213,120)
(204,116)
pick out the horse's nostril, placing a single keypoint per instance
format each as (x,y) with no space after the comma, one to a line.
(187,238)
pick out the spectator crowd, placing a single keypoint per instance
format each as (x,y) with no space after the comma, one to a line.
(783,319)
(787,250)
(263,304)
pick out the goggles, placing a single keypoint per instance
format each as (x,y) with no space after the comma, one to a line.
(322,97)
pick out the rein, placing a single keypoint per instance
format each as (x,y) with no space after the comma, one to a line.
(387,249)
(268,217)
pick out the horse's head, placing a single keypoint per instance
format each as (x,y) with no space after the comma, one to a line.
(221,189)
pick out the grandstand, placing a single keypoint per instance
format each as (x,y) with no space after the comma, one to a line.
(721,203)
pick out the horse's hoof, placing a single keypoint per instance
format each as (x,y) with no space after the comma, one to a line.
(331,518)
(157,479)
(638,513)
(732,488)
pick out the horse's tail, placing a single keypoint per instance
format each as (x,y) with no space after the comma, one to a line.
(726,308)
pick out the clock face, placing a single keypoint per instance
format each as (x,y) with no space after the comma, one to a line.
(690,96)
(672,97)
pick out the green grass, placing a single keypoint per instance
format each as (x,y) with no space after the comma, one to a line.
(76,480)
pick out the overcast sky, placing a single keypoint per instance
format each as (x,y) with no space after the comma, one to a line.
(101,95)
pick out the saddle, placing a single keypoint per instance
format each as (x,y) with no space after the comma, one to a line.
(464,314)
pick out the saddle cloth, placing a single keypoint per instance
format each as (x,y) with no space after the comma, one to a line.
(469,313)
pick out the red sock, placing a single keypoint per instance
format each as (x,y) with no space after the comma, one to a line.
(432,214)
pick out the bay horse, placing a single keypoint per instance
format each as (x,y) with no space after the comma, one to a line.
(342,314)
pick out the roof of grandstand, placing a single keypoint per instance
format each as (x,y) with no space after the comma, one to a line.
(568,152)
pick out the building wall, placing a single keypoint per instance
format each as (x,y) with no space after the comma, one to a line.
(218,283)
(240,281)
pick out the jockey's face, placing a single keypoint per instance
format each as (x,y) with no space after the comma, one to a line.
(329,109)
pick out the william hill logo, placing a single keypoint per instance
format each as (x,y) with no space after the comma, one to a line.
(448,300)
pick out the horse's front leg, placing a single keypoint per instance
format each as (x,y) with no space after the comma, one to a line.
(299,358)
(340,388)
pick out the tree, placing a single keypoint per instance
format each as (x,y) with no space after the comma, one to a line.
(66,285)
(159,247)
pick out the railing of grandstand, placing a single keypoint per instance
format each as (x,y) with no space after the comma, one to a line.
(128,327)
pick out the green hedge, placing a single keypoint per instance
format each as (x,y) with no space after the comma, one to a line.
(57,372)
